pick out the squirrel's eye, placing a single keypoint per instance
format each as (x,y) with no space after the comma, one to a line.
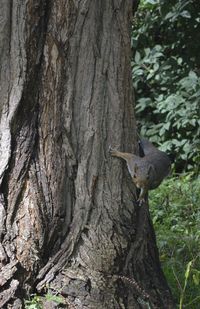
(134,176)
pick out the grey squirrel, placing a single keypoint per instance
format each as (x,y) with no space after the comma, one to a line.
(148,171)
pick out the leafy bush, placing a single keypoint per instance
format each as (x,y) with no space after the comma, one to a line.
(166,77)
(175,213)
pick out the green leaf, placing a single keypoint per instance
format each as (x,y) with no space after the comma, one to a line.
(151,1)
(193,75)
(185,14)
(187,273)
(180,60)
(55,298)
(137,57)
(147,51)
(169,15)
(156,66)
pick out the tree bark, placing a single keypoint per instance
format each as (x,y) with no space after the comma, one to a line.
(69,215)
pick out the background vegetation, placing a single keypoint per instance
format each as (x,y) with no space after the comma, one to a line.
(166,77)
(176,217)
(166,67)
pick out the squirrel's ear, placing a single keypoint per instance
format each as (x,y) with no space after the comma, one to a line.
(150,168)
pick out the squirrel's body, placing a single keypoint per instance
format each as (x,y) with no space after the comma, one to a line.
(147,172)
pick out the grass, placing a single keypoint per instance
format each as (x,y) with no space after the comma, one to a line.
(175,211)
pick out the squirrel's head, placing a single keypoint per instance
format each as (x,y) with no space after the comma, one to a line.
(141,176)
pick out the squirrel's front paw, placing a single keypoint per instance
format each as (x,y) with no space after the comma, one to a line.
(141,201)
(142,197)
(111,150)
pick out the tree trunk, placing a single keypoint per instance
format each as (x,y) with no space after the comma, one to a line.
(68,212)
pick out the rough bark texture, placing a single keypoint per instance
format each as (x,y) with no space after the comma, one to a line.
(68,211)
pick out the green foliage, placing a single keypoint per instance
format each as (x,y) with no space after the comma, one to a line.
(55,298)
(176,217)
(36,301)
(166,77)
